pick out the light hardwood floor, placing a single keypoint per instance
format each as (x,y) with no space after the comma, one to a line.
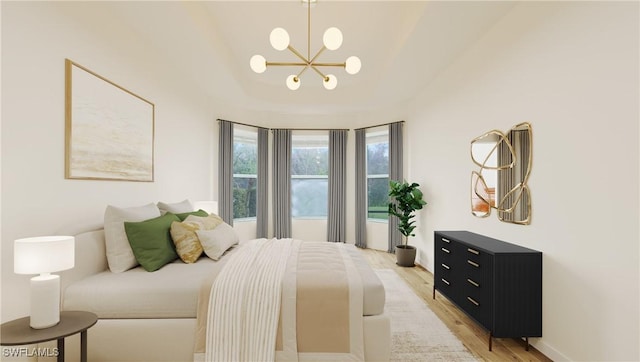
(472,336)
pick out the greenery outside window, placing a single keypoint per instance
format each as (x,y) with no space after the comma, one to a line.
(377,174)
(245,168)
(309,175)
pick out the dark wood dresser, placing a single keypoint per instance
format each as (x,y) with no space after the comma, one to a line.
(497,284)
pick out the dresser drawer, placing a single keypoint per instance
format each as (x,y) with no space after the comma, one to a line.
(478,309)
(478,291)
(445,284)
(447,255)
(477,265)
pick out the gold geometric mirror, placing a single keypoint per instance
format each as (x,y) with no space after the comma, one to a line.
(504,162)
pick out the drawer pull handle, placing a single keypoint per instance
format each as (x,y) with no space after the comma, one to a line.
(473,283)
(446,250)
(472,251)
(473,263)
(473,301)
(445,266)
(445,281)
(446,240)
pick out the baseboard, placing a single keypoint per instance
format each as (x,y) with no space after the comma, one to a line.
(549,351)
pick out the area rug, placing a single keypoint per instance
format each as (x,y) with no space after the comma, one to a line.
(417,333)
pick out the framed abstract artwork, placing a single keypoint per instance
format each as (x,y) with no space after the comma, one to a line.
(109,132)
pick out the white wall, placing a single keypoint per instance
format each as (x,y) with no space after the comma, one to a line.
(36,198)
(571,69)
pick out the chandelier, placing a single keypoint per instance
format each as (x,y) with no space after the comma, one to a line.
(331,40)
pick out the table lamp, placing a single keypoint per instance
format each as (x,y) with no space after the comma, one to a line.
(208,206)
(44,255)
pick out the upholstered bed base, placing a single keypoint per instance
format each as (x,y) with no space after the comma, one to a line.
(138,340)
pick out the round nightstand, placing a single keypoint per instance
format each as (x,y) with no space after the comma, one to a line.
(18,332)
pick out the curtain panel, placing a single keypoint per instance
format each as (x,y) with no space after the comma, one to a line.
(225,171)
(337,217)
(262,192)
(395,173)
(282,183)
(361,188)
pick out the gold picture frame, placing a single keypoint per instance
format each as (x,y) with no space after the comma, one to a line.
(109,131)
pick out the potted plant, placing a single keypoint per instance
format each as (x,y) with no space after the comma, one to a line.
(406,198)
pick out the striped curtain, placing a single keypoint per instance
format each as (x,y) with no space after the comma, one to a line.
(337,217)
(282,183)
(396,174)
(361,188)
(225,171)
(262,194)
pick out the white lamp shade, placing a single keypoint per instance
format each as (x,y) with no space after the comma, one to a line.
(353,65)
(293,82)
(331,82)
(209,206)
(258,63)
(279,39)
(44,254)
(332,38)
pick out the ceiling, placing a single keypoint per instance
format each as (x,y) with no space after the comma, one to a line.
(402,46)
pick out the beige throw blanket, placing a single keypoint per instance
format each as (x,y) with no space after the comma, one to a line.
(318,302)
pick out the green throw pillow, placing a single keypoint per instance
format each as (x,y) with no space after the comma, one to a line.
(184,215)
(151,241)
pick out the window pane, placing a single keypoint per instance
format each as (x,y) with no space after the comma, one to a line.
(245,166)
(310,161)
(378,197)
(378,158)
(309,197)
(245,158)
(244,197)
(378,174)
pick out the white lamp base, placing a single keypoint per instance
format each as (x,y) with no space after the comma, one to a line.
(45,301)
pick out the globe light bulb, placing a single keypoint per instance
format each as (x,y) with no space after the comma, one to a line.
(353,65)
(258,63)
(332,38)
(293,82)
(279,39)
(330,82)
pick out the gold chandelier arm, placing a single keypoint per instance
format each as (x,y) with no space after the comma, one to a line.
(317,54)
(280,64)
(313,66)
(309,31)
(294,51)
(302,71)
(329,64)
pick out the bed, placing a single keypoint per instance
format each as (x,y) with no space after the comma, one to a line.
(154,316)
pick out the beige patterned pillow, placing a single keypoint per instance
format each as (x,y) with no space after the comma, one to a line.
(186,240)
(206,222)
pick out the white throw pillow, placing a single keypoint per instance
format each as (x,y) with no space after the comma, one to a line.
(119,254)
(215,242)
(176,208)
